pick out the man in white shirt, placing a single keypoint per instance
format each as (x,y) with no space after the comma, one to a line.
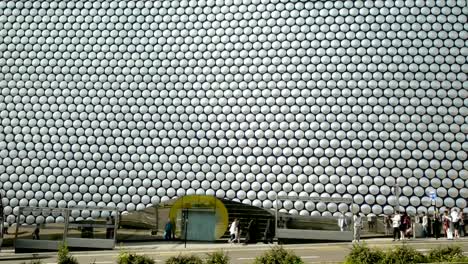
(425,224)
(233,230)
(396,222)
(454,215)
(357,219)
(342,223)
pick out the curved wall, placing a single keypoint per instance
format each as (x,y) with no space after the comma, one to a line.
(129,103)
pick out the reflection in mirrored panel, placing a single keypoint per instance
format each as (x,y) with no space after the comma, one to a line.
(192,217)
(81,233)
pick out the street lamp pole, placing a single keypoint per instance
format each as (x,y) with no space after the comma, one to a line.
(396,192)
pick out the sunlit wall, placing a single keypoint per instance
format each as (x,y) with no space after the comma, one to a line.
(129,103)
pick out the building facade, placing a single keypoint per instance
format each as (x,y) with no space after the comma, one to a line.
(129,103)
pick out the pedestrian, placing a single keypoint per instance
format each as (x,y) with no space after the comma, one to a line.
(168,230)
(461,226)
(387,224)
(233,230)
(436,225)
(454,217)
(396,222)
(425,224)
(269,233)
(403,225)
(371,222)
(238,233)
(408,226)
(342,223)
(35,235)
(357,219)
(250,237)
(429,225)
(446,222)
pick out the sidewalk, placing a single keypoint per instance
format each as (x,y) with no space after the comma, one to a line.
(165,246)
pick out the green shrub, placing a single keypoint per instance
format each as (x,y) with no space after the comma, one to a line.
(63,256)
(184,259)
(278,255)
(403,255)
(218,257)
(447,254)
(362,254)
(132,258)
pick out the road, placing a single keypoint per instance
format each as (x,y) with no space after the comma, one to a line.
(239,254)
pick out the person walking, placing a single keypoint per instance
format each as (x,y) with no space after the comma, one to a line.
(461,226)
(168,230)
(357,219)
(233,230)
(455,218)
(387,224)
(238,233)
(35,235)
(403,225)
(446,222)
(269,233)
(408,226)
(425,224)
(396,222)
(342,223)
(436,225)
(250,237)
(430,222)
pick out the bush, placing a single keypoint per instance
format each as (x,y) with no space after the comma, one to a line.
(63,256)
(403,255)
(218,257)
(447,254)
(132,258)
(362,254)
(184,259)
(278,255)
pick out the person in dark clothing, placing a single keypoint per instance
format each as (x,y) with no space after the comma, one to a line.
(36,233)
(436,226)
(269,233)
(250,237)
(429,226)
(168,230)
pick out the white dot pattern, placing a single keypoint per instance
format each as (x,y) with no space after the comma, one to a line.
(132,103)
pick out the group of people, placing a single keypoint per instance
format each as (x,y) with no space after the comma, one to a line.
(452,222)
(401,224)
(251,233)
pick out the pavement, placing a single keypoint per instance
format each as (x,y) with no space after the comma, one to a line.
(239,254)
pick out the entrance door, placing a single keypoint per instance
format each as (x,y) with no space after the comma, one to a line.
(201,225)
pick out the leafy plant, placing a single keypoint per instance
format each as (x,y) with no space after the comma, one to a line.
(184,259)
(278,255)
(447,254)
(63,255)
(132,258)
(403,255)
(362,254)
(218,257)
